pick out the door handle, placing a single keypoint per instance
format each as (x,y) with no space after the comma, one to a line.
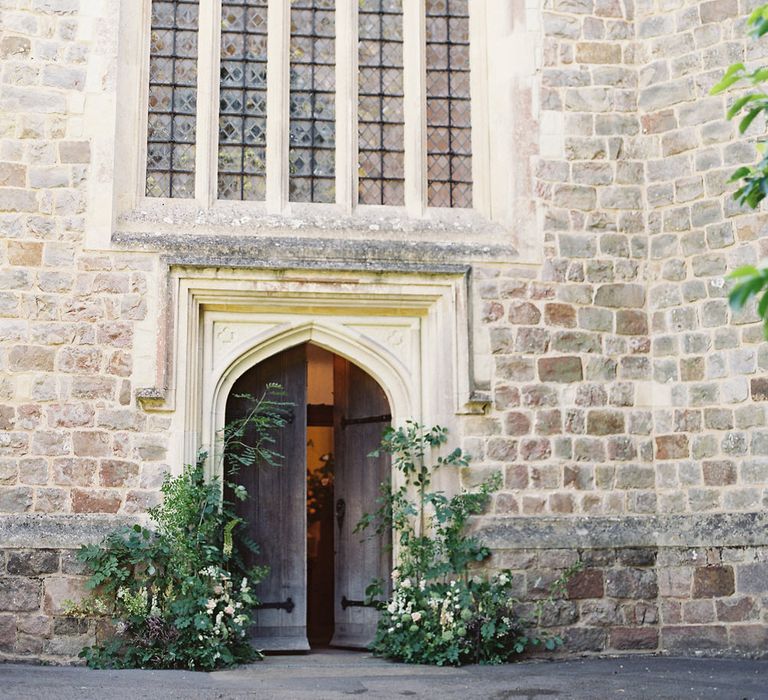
(341,509)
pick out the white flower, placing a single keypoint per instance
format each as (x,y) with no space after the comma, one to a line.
(211,604)
(406,583)
(416,616)
(503,579)
(392,607)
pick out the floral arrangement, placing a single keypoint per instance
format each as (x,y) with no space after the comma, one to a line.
(181,595)
(442,609)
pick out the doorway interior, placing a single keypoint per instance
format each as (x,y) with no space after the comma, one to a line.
(303,513)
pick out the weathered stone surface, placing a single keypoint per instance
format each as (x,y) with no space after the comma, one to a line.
(688,639)
(631,583)
(684,530)
(713,582)
(33,562)
(586,584)
(560,369)
(18,593)
(628,638)
(620,295)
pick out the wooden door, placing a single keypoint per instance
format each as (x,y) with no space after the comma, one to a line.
(361,416)
(276,509)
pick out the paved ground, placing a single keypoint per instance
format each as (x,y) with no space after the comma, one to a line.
(330,675)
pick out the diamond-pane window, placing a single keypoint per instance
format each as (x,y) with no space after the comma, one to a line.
(449,159)
(380,113)
(243,100)
(312,154)
(172,100)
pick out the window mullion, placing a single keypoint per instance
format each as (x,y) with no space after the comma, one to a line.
(278,104)
(414,77)
(346,104)
(207,102)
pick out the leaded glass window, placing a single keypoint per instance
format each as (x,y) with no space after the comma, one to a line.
(243,100)
(380,103)
(172,99)
(352,103)
(449,147)
(313,96)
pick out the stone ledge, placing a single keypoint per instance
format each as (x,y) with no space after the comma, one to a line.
(324,253)
(500,533)
(580,532)
(57,531)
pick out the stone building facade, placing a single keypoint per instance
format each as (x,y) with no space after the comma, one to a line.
(593,356)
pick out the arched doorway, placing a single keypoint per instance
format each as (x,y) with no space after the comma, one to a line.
(303,513)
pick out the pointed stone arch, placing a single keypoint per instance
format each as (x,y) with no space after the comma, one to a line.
(391,375)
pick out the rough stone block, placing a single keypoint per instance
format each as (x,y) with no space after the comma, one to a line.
(631,583)
(598,52)
(33,562)
(752,578)
(605,422)
(693,638)
(586,584)
(19,594)
(736,609)
(7,632)
(627,638)
(759,387)
(95,501)
(61,588)
(637,556)
(560,369)
(672,447)
(719,472)
(581,639)
(620,296)
(524,313)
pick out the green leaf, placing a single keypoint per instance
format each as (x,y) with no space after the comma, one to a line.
(744,271)
(738,104)
(732,75)
(751,116)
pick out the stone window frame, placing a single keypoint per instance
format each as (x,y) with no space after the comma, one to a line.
(504,216)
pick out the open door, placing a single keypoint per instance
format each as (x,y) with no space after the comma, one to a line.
(362,413)
(275,512)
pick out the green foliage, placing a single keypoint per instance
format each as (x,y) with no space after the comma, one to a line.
(180,595)
(751,282)
(439,613)
(750,106)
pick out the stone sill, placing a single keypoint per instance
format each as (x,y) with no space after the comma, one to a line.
(257,251)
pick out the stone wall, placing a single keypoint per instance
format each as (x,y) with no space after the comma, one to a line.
(624,389)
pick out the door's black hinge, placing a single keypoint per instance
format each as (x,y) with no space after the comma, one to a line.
(288,605)
(384,418)
(347,603)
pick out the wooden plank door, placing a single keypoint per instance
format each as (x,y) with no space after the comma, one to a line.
(276,509)
(362,414)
